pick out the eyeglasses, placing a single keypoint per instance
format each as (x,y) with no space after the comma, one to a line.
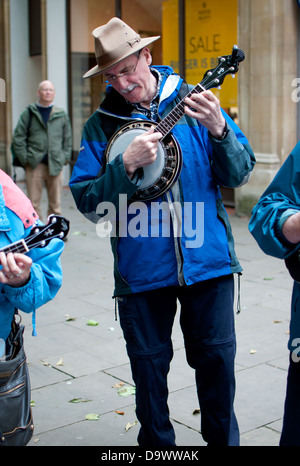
(126,72)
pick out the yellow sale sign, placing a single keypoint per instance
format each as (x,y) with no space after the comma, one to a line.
(210,31)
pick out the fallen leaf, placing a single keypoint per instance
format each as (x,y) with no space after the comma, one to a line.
(69,318)
(46,364)
(92,417)
(277,321)
(79,233)
(253,351)
(125,391)
(269,278)
(196,411)
(32,403)
(118,385)
(60,362)
(129,425)
(79,400)
(92,323)
(120,412)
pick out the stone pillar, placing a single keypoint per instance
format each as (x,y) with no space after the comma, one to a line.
(267,113)
(2,91)
(5,87)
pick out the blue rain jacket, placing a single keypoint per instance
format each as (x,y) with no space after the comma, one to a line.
(17,218)
(150,258)
(280,200)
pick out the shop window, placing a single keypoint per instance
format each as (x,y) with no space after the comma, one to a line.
(145,16)
(35,27)
(85,93)
(3,92)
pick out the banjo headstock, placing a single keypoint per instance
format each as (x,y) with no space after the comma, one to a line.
(228,64)
(41,235)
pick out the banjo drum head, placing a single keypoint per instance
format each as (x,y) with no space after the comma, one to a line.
(122,140)
(162,173)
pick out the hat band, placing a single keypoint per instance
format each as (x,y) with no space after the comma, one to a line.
(109,57)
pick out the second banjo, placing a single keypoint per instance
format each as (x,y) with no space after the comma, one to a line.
(159,177)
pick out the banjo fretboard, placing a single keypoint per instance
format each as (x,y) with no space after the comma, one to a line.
(212,78)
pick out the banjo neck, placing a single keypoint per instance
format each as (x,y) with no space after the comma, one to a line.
(228,64)
(40,235)
(18,246)
(168,123)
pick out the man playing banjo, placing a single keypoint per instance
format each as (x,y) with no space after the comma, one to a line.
(122,142)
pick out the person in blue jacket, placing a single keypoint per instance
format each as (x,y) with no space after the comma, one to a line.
(27,281)
(177,245)
(275,224)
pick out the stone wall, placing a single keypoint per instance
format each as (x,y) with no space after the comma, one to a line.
(267,113)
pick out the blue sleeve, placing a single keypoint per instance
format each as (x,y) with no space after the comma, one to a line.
(273,207)
(45,279)
(232,158)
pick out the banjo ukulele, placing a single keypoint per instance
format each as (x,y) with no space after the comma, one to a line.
(159,177)
(41,235)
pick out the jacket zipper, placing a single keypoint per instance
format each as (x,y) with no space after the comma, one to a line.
(177,225)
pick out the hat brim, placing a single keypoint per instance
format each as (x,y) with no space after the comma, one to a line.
(96,70)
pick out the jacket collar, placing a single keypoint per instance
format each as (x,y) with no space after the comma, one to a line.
(55,112)
(4,222)
(13,198)
(169,88)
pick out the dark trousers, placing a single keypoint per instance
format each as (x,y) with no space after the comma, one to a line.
(207,322)
(290,435)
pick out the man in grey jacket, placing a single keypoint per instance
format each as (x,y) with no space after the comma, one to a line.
(42,142)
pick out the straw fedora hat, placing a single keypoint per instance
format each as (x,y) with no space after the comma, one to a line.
(115,41)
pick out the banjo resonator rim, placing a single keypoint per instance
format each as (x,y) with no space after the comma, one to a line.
(170,153)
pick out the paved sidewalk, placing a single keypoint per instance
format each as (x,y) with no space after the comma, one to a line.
(71,360)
